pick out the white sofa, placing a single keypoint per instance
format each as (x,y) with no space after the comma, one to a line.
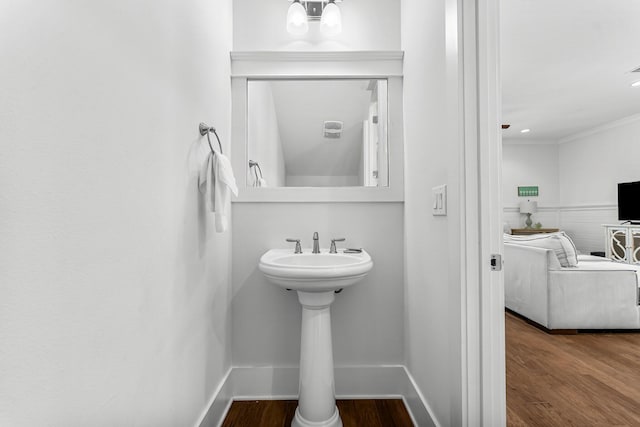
(595,294)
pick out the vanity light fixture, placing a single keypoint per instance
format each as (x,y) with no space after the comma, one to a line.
(302,11)
(525,131)
(331,21)
(635,84)
(297,19)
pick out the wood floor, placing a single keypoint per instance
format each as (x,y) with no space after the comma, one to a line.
(571,380)
(354,413)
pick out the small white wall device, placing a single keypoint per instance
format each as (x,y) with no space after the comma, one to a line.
(439,200)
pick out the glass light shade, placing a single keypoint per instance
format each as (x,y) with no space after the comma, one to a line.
(331,21)
(297,19)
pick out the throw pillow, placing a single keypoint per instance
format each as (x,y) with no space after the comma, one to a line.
(559,242)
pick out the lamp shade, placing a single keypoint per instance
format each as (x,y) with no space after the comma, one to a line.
(297,19)
(528,207)
(331,21)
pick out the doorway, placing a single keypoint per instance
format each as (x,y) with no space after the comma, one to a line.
(567,74)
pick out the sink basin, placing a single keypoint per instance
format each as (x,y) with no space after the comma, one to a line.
(311,272)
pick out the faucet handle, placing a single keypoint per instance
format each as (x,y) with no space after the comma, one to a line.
(333,249)
(297,242)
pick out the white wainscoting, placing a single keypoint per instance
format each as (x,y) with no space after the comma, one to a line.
(582,223)
(352,382)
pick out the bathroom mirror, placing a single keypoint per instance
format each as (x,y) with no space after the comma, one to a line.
(317,133)
(317,126)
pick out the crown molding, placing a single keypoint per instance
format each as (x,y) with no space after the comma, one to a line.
(516,141)
(599,129)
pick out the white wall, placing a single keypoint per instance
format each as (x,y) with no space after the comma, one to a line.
(527,165)
(591,166)
(366,25)
(367,321)
(263,135)
(586,169)
(114,302)
(368,318)
(432,299)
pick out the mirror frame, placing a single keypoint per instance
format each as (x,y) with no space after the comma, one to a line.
(266,65)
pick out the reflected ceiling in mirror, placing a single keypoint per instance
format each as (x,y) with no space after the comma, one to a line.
(317,133)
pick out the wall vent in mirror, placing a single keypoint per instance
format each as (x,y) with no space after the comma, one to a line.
(332,129)
(287,133)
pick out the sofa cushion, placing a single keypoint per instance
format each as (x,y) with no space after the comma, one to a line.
(559,242)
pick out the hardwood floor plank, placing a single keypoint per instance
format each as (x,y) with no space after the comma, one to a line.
(514,420)
(273,414)
(393,413)
(243,413)
(354,413)
(348,412)
(365,413)
(580,380)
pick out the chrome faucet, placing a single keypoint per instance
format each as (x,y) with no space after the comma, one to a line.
(298,249)
(333,249)
(316,246)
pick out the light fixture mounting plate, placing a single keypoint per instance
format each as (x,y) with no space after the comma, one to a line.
(314,9)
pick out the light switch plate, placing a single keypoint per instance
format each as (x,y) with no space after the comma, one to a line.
(439,200)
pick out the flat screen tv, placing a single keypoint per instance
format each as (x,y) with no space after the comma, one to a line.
(629,201)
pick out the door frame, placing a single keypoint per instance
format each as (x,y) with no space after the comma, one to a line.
(483,353)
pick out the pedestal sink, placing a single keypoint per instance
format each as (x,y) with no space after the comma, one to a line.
(315,277)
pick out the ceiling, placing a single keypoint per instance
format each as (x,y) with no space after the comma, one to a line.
(566,65)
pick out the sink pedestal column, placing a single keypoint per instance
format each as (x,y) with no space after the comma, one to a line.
(316,397)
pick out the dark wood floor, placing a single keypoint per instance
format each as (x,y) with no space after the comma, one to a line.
(354,413)
(571,380)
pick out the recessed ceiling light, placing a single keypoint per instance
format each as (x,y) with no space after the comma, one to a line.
(635,84)
(525,131)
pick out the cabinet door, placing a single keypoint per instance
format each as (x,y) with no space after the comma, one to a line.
(617,244)
(634,247)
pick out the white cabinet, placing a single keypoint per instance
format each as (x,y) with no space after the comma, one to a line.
(623,243)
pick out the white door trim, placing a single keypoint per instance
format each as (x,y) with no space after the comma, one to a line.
(483,351)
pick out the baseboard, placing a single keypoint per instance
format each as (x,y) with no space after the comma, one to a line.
(219,404)
(418,407)
(352,382)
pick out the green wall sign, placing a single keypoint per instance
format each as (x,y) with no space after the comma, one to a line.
(530,191)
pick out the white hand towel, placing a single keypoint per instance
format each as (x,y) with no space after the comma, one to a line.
(216,182)
(224,183)
(206,178)
(262,182)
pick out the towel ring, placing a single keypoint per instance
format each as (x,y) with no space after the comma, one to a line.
(255,164)
(205,130)
(256,168)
